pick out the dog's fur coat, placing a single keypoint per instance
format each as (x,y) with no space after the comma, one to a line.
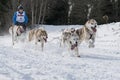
(88,32)
(39,35)
(15,32)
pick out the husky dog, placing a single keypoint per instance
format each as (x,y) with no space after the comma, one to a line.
(39,35)
(70,39)
(73,43)
(15,31)
(88,32)
(66,34)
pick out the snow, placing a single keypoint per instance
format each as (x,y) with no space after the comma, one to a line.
(25,61)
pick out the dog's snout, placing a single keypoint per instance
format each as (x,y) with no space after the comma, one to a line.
(95,26)
(76,43)
(38,40)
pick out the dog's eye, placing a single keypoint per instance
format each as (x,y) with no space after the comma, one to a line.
(92,23)
(70,42)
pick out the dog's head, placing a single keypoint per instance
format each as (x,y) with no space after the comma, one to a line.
(74,41)
(44,35)
(91,23)
(20,30)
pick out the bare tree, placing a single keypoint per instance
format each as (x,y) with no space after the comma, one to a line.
(32,8)
(44,12)
(36,10)
(40,13)
(70,3)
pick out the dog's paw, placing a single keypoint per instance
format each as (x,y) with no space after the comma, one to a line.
(91,46)
(78,56)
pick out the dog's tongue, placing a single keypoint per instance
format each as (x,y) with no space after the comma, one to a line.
(94,29)
(73,47)
(21,30)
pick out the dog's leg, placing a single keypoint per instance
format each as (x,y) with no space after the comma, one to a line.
(13,40)
(60,42)
(13,37)
(12,33)
(76,52)
(63,43)
(84,31)
(30,36)
(42,45)
(68,47)
(36,39)
(91,43)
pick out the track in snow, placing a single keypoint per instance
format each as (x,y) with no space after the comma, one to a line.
(25,61)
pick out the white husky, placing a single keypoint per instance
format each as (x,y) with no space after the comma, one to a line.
(15,32)
(70,39)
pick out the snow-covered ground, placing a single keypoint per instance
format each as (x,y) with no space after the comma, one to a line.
(25,61)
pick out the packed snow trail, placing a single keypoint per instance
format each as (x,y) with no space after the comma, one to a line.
(25,61)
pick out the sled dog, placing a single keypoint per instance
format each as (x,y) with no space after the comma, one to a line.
(15,32)
(88,32)
(39,35)
(70,39)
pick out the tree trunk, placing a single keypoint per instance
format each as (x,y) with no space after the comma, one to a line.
(44,12)
(36,10)
(32,8)
(40,13)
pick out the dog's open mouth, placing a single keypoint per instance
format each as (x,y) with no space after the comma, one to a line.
(73,46)
(22,31)
(94,29)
